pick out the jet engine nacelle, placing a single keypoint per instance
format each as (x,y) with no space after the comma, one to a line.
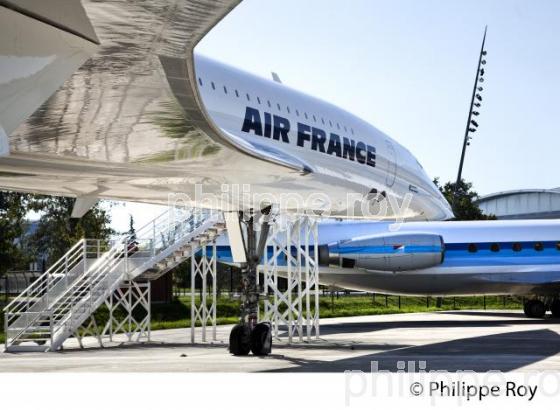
(391,252)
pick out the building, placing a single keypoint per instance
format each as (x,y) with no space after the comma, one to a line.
(522,204)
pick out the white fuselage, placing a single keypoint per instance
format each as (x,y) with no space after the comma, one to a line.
(115,130)
(334,145)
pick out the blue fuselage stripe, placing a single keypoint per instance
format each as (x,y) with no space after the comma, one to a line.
(456,254)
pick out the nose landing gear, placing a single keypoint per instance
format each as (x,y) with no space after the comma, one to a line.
(248,335)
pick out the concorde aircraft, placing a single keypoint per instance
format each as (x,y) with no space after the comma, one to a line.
(108,100)
(144,117)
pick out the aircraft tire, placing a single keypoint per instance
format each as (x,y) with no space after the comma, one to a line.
(526,308)
(240,340)
(261,339)
(535,309)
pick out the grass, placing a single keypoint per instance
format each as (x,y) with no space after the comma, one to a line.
(177,313)
(358,305)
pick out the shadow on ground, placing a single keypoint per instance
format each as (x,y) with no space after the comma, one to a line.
(502,351)
(363,327)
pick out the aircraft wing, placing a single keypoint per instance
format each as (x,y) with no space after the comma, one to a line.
(99,99)
(131,116)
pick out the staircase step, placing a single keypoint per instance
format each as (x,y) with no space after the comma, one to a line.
(77,299)
(27,348)
(183,253)
(34,339)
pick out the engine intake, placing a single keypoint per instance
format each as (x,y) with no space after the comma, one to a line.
(392,252)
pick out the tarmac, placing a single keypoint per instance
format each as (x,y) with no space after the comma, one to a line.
(454,340)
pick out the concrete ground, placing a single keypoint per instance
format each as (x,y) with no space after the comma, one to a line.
(458,340)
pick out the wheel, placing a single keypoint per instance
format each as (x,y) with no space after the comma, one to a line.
(555,308)
(261,339)
(240,340)
(535,309)
(526,306)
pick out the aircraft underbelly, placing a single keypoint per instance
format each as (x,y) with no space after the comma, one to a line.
(501,280)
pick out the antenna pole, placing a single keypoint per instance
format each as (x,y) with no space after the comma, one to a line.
(469,128)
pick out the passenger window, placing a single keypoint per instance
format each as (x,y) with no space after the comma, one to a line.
(539,246)
(472,248)
(558,246)
(269,105)
(306,117)
(323,120)
(495,247)
(200,81)
(345,129)
(314,118)
(259,100)
(516,247)
(352,131)
(248,97)
(297,113)
(237,93)
(213,85)
(288,109)
(225,89)
(278,105)
(337,125)
(330,123)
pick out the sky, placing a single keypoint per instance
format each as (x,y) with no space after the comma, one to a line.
(408,67)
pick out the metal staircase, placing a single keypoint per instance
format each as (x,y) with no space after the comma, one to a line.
(44,315)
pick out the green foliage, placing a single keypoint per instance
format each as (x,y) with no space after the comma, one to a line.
(360,305)
(131,230)
(13,208)
(177,313)
(463,201)
(57,231)
(180,308)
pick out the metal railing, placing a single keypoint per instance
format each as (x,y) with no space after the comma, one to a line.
(21,312)
(56,304)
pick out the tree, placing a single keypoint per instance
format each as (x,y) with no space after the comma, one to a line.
(464,205)
(57,231)
(12,228)
(131,231)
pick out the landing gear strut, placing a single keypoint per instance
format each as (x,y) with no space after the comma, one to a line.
(249,335)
